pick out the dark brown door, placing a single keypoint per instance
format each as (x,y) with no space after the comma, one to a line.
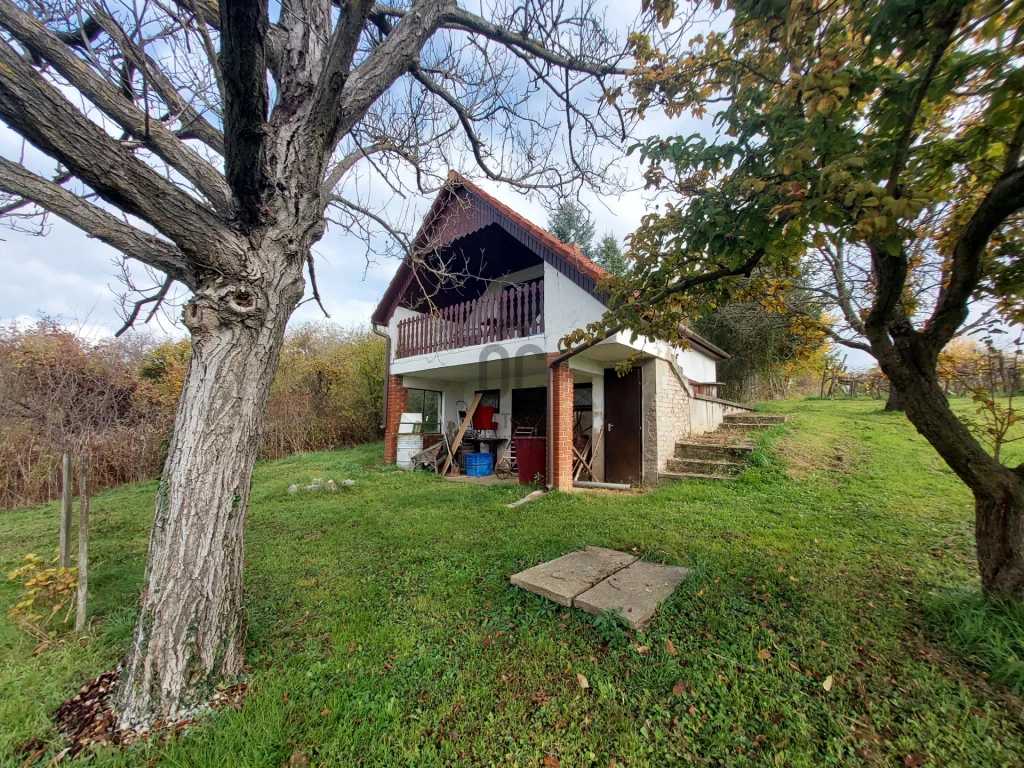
(622,427)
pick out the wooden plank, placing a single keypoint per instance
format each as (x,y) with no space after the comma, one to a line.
(462,431)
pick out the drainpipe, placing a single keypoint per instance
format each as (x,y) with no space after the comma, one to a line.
(387,374)
(551,422)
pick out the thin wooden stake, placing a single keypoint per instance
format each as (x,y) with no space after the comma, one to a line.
(67,492)
(83,541)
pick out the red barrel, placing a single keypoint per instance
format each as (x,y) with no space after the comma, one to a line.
(532,458)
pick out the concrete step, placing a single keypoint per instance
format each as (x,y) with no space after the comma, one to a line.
(738,452)
(753,419)
(667,477)
(703,466)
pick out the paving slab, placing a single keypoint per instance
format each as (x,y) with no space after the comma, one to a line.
(564,578)
(635,592)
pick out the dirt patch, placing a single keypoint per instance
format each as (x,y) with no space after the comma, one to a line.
(827,453)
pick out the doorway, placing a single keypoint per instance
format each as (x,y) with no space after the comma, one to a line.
(623,438)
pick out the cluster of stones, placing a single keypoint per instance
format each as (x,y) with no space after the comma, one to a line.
(318,484)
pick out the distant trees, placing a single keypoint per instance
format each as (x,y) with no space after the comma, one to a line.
(117,398)
(769,345)
(609,255)
(60,394)
(570,222)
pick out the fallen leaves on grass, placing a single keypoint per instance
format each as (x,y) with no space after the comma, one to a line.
(764,654)
(549,761)
(584,683)
(827,685)
(914,759)
(679,688)
(669,648)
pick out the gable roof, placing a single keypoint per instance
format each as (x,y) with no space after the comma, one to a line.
(440,229)
(483,209)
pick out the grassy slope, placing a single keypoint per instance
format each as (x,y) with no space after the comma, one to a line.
(383,631)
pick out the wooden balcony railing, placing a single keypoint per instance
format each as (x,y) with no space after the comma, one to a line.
(512,313)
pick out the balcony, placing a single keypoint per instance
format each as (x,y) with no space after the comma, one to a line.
(512,313)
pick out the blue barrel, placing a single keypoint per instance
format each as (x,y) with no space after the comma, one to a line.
(479,464)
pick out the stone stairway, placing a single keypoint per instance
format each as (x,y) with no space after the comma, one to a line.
(748,420)
(719,456)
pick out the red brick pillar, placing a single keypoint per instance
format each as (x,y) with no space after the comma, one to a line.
(560,439)
(398,401)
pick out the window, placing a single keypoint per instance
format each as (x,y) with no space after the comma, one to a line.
(583,397)
(427,403)
(491,397)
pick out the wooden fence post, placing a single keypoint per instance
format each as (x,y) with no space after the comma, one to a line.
(67,492)
(83,540)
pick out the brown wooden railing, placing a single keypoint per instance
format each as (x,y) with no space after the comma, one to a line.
(508,314)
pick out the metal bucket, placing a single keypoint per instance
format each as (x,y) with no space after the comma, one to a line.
(408,446)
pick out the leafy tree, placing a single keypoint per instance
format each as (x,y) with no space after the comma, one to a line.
(570,222)
(852,122)
(609,255)
(213,141)
(765,345)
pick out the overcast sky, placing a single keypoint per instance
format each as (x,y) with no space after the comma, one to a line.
(68,275)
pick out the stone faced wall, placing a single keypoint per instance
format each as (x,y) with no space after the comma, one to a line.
(666,415)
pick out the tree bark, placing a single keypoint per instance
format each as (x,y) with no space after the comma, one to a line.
(998,490)
(190,633)
(895,400)
(83,541)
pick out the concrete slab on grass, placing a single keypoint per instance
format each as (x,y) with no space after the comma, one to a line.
(563,579)
(635,592)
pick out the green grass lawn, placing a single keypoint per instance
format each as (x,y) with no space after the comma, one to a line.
(382,630)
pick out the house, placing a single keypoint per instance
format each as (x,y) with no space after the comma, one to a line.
(483,312)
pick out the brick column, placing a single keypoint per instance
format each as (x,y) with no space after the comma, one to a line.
(398,401)
(560,439)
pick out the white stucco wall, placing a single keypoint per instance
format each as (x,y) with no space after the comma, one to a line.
(696,365)
(566,307)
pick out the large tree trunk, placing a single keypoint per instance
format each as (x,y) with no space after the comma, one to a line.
(998,490)
(190,634)
(895,399)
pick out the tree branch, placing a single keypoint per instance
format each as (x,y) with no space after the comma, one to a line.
(97,222)
(458,18)
(243,40)
(679,286)
(46,45)
(907,136)
(156,299)
(1004,199)
(193,124)
(335,113)
(43,116)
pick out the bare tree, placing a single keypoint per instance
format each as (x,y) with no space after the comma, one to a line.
(208,141)
(841,275)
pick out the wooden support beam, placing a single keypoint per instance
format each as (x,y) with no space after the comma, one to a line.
(462,431)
